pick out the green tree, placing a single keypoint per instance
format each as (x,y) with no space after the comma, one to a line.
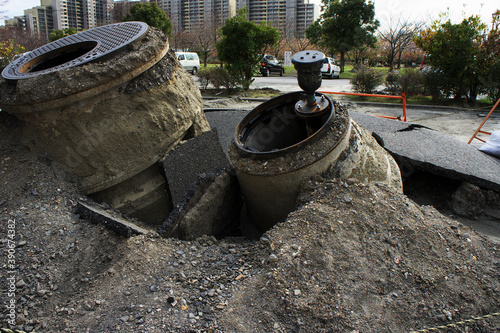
(344,25)
(241,44)
(58,34)
(453,50)
(151,14)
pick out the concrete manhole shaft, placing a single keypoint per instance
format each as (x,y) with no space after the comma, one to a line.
(107,123)
(291,138)
(273,153)
(75,50)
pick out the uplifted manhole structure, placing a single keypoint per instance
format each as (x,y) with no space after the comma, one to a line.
(294,137)
(107,104)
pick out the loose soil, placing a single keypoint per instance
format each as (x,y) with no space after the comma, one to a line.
(351,258)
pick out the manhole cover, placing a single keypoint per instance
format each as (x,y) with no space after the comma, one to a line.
(75,50)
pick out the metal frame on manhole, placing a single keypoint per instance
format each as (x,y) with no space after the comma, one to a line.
(107,39)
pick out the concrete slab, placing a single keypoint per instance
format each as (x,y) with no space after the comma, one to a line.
(431,151)
(199,155)
(210,207)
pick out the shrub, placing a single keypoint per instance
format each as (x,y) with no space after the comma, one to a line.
(366,80)
(491,86)
(392,83)
(437,84)
(9,51)
(204,76)
(218,77)
(409,80)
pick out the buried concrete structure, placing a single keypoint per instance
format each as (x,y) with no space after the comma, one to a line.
(108,116)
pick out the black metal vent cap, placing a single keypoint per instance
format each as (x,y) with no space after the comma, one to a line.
(75,50)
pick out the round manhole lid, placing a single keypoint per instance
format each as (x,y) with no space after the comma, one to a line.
(75,50)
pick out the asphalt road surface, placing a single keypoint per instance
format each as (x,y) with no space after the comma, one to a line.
(289,84)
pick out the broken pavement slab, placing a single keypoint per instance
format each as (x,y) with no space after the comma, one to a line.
(98,215)
(431,151)
(182,165)
(225,121)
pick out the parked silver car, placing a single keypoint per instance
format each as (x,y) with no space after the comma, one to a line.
(330,68)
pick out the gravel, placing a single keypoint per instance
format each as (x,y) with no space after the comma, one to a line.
(377,262)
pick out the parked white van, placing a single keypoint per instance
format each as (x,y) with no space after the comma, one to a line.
(189,61)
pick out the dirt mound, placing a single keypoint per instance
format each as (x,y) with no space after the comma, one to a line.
(358,258)
(352,258)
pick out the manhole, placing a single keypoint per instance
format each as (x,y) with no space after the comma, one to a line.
(75,50)
(294,137)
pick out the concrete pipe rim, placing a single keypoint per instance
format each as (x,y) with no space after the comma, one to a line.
(257,113)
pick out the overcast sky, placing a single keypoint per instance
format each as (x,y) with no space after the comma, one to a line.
(419,10)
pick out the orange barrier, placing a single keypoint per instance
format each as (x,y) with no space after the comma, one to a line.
(402,97)
(474,136)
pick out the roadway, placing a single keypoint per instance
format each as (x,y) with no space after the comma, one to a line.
(455,122)
(289,84)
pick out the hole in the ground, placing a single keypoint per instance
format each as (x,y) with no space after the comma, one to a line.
(429,189)
(190,133)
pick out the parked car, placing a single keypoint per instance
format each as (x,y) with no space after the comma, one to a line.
(269,65)
(330,68)
(189,61)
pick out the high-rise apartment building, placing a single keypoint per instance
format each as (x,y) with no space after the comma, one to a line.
(82,14)
(291,17)
(187,15)
(62,14)
(104,12)
(218,11)
(38,19)
(16,22)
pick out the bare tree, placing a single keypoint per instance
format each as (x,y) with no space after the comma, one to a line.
(360,54)
(22,37)
(297,44)
(181,40)
(294,41)
(279,49)
(398,36)
(204,38)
